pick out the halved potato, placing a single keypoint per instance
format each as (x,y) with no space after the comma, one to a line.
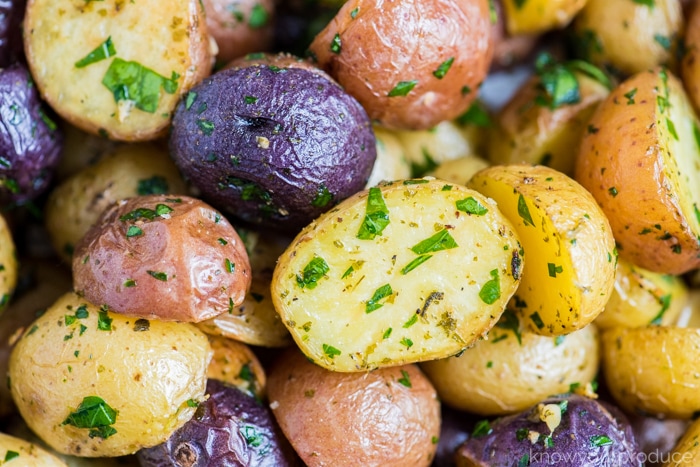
(537,16)
(568,244)
(641,165)
(404,272)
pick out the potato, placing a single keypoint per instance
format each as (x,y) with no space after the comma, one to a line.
(690,64)
(81,150)
(410,64)
(537,16)
(642,297)
(16,451)
(640,164)
(512,370)
(527,130)
(653,369)
(129,170)
(173,259)
(230,429)
(509,49)
(239,27)
(255,321)
(690,314)
(459,170)
(283,148)
(94,383)
(686,451)
(474,124)
(566,239)
(8,264)
(408,271)
(116,68)
(629,36)
(391,163)
(387,417)
(565,431)
(236,365)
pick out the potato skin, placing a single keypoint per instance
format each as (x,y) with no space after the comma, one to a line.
(26,454)
(146,370)
(9,263)
(236,365)
(186,265)
(690,66)
(686,452)
(392,41)
(387,417)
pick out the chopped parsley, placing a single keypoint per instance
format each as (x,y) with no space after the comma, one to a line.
(94,414)
(323,197)
(330,351)
(405,380)
(101,52)
(104,322)
(402,88)
(510,321)
(471,206)
(600,440)
(229,265)
(535,317)
(438,242)
(161,276)
(134,231)
(376,216)
(336,45)
(491,291)
(444,67)
(553,269)
(312,273)
(407,342)
(482,428)
(524,211)
(380,294)
(155,185)
(415,263)
(258,17)
(131,81)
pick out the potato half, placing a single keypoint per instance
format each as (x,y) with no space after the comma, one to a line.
(408,271)
(640,164)
(567,241)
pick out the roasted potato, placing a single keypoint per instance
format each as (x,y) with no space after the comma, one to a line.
(410,64)
(538,16)
(158,257)
(408,271)
(387,417)
(234,364)
(391,163)
(8,264)
(686,452)
(690,65)
(509,49)
(94,383)
(568,245)
(116,68)
(20,452)
(640,163)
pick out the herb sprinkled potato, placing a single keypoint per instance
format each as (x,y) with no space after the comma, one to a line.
(26,454)
(408,271)
(537,16)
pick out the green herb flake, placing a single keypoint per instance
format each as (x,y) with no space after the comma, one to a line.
(380,294)
(600,440)
(475,115)
(330,351)
(535,317)
(206,126)
(402,88)
(665,302)
(558,340)
(101,52)
(129,283)
(649,3)
(630,96)
(521,434)
(229,265)
(131,81)
(161,276)
(415,263)
(663,41)
(354,12)
(222,241)
(348,272)
(192,403)
(524,460)
(557,82)
(411,322)
(11,455)
(94,414)
(336,44)
(81,312)
(524,211)
(312,273)
(386,334)
(482,428)
(104,322)
(155,185)
(258,17)
(444,67)
(672,128)
(471,206)
(407,342)
(491,291)
(32,330)
(323,197)
(438,242)
(139,213)
(133,231)
(189,100)
(446,188)
(376,216)
(50,124)
(553,269)
(510,321)
(405,379)
(250,99)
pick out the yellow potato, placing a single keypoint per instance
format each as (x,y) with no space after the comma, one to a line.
(640,164)
(569,248)
(690,65)
(687,450)
(235,364)
(690,314)
(391,163)
(8,264)
(18,452)
(536,16)
(459,170)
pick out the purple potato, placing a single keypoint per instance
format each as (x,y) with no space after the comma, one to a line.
(230,428)
(590,433)
(30,142)
(11,16)
(273,146)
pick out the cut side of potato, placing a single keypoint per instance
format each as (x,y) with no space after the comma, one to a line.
(404,272)
(537,16)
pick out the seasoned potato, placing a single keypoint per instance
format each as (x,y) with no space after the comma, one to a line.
(391,163)
(687,450)
(410,64)
(653,369)
(116,68)
(408,271)
(16,451)
(629,36)
(94,383)
(156,257)
(387,417)
(513,369)
(129,170)
(537,16)
(690,66)
(569,247)
(8,264)
(236,365)
(642,297)
(640,164)
(459,170)
(509,49)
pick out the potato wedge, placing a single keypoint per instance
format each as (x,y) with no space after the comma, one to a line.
(537,16)
(567,241)
(640,164)
(404,272)
(653,369)
(116,67)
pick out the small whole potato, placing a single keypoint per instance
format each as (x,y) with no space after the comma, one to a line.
(26,454)
(387,417)
(410,64)
(154,256)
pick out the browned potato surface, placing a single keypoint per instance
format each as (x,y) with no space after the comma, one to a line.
(155,256)
(235,364)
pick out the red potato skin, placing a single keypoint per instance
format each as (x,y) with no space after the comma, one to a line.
(390,41)
(185,247)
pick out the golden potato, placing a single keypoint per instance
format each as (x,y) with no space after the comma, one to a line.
(387,417)
(94,383)
(689,316)
(391,163)
(537,16)
(640,163)
(508,49)
(653,369)
(80,150)
(687,450)
(8,264)
(235,364)
(16,451)
(690,65)
(459,170)
(567,242)
(513,369)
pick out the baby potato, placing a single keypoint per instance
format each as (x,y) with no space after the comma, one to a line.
(236,365)
(640,164)
(629,36)
(94,383)
(686,452)
(8,264)
(653,369)
(20,452)
(408,271)
(509,49)
(538,16)
(410,64)
(80,150)
(459,170)
(113,67)
(391,163)
(642,297)
(566,239)
(388,417)
(690,65)
(129,170)
(690,314)
(512,370)
(158,257)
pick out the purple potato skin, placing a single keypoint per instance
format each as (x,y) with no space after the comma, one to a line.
(11,16)
(229,429)
(576,441)
(272,146)
(30,143)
